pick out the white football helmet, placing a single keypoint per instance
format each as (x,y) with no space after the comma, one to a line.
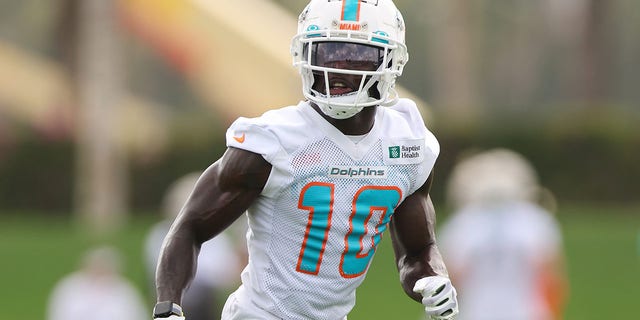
(491,176)
(338,39)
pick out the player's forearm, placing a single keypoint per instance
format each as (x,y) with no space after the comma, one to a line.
(410,271)
(436,263)
(423,264)
(176,267)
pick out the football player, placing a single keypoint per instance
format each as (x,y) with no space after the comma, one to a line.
(321,181)
(513,243)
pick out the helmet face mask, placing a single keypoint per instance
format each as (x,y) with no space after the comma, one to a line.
(347,65)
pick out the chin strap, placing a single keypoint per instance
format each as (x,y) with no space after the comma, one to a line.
(340,112)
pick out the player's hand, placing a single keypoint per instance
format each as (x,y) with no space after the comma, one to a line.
(439,297)
(173,317)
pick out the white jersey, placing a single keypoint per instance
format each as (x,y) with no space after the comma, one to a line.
(497,250)
(314,229)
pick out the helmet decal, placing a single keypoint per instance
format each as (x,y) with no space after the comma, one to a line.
(381,40)
(350,10)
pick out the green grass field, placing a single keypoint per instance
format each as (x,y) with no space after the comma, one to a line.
(602,245)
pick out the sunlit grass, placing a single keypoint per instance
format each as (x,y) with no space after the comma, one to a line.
(601,244)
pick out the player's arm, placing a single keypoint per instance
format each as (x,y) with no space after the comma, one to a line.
(413,235)
(423,273)
(222,194)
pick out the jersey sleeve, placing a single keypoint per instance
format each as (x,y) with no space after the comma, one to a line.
(270,135)
(251,135)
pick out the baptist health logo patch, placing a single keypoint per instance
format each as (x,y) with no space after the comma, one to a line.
(394,152)
(404,151)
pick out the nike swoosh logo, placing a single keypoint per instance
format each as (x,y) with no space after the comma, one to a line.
(240,138)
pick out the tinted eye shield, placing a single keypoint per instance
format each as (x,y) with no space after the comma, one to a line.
(344,55)
(347,56)
(392,49)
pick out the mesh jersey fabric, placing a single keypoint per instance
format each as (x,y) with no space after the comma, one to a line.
(314,228)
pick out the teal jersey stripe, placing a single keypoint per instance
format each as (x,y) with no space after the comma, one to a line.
(350,10)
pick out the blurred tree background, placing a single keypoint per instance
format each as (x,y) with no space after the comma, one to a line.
(104,103)
(554,80)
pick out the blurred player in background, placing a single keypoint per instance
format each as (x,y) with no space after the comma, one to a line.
(320,181)
(213,280)
(503,249)
(97,291)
